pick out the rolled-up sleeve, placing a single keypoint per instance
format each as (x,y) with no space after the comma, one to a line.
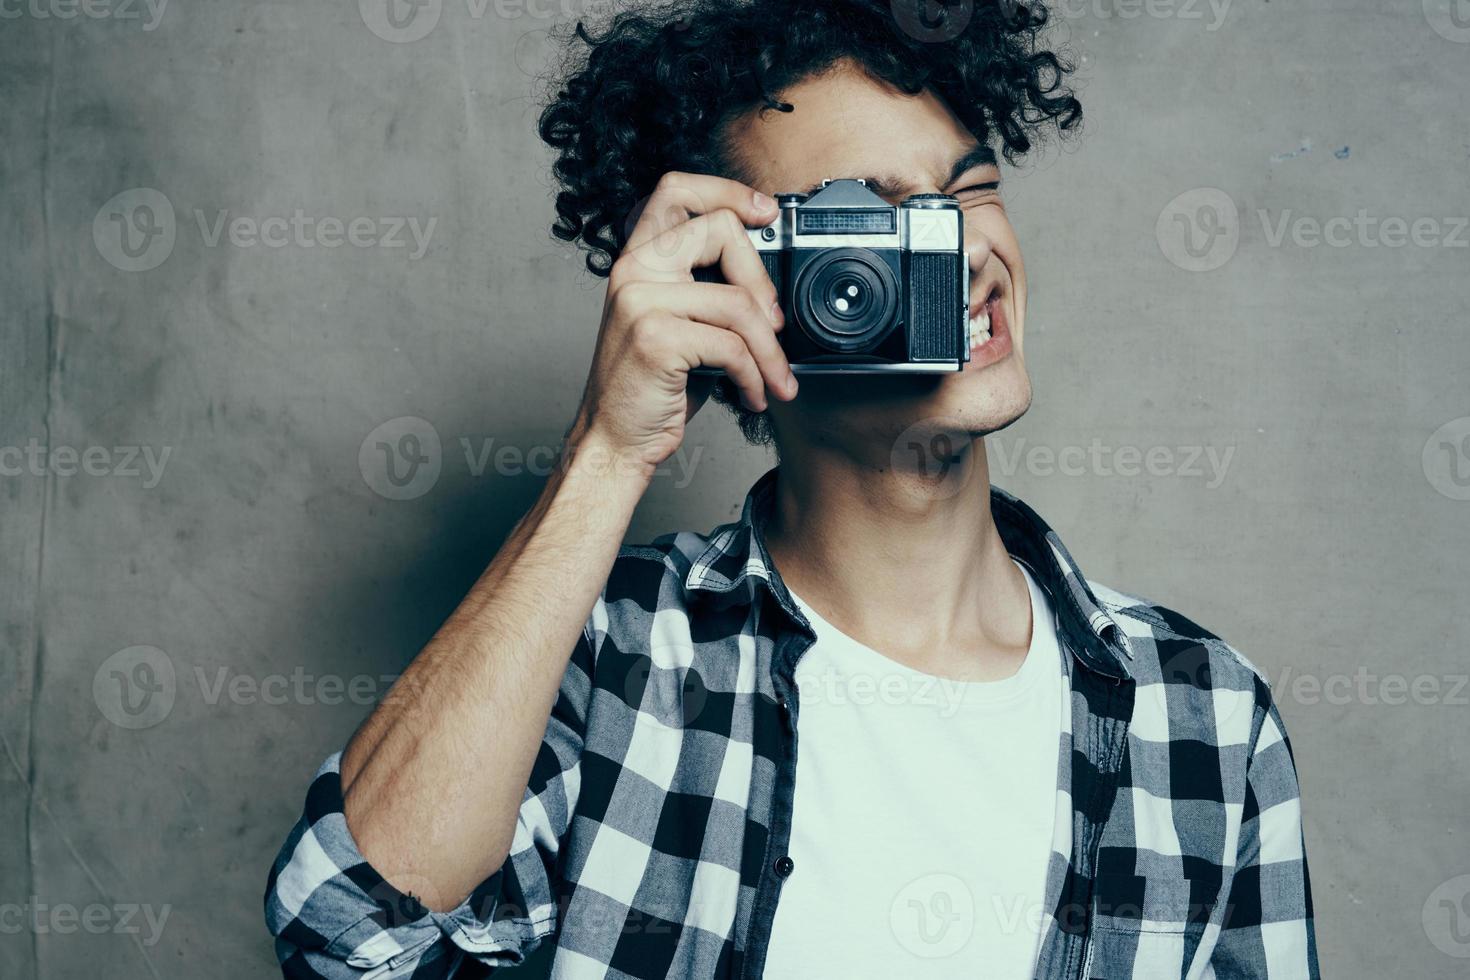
(1268,932)
(336,916)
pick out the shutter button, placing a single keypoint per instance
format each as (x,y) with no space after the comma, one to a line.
(784,866)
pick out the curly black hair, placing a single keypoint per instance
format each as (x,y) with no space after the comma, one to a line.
(652,91)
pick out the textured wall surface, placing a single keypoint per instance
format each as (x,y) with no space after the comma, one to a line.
(209,563)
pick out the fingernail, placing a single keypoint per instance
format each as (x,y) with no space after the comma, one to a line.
(763,203)
(791,382)
(775,313)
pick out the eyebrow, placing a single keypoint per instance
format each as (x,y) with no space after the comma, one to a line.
(978,155)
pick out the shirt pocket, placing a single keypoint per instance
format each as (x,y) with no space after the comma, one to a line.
(1146,926)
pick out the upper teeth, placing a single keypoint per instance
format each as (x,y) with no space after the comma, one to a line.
(980,328)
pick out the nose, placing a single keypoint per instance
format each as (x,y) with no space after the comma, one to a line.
(977,248)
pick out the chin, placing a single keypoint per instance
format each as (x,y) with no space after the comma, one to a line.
(983,401)
(967,405)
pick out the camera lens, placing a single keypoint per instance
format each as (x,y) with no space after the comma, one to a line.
(848,298)
(845,299)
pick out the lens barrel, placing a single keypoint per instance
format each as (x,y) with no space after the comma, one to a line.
(846,299)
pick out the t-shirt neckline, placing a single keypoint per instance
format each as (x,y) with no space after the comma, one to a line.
(1043,640)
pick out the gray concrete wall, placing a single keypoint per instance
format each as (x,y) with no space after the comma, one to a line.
(174,636)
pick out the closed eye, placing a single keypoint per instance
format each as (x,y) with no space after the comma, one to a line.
(989,187)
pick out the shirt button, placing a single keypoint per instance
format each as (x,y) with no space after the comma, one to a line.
(784,866)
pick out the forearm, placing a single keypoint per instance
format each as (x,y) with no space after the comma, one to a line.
(421,812)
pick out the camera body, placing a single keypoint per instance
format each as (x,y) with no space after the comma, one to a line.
(866,286)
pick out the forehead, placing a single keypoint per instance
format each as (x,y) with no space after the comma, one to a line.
(846,124)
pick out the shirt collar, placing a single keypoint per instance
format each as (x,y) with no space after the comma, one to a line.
(736,557)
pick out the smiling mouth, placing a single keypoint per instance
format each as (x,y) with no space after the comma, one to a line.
(988,321)
(980,322)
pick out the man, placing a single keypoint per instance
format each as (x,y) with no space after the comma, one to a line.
(1004,770)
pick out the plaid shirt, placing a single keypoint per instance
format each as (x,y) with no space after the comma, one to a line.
(651,839)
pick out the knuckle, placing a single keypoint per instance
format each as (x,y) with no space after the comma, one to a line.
(631,294)
(616,281)
(732,308)
(757,307)
(733,348)
(622,274)
(646,333)
(731,224)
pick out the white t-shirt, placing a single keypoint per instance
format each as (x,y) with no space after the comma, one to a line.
(923,814)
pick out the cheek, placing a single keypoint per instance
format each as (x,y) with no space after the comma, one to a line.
(992,224)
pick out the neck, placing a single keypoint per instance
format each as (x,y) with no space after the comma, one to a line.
(905,561)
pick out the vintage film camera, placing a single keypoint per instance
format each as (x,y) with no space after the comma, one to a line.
(868,287)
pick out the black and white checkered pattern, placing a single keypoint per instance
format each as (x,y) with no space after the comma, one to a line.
(651,839)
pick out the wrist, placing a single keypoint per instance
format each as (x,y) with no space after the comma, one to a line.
(587,456)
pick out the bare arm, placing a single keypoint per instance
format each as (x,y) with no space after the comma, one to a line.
(489,677)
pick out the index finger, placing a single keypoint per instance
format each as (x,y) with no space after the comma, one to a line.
(680,196)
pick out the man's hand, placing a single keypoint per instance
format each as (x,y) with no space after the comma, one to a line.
(658,323)
(424,817)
